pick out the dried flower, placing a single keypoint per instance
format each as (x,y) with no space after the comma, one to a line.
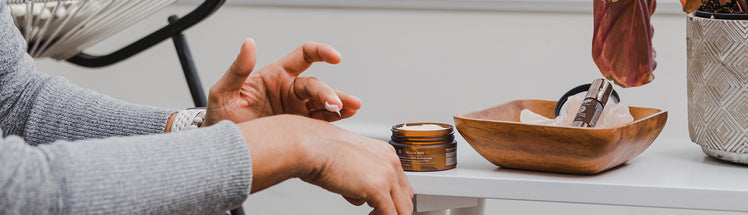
(622,43)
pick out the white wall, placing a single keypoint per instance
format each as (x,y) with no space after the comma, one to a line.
(448,62)
(406,65)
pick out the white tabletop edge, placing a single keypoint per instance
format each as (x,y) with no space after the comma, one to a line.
(672,173)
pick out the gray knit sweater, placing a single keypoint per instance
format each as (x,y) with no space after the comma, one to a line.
(68,150)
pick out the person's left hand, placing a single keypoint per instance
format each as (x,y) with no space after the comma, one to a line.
(242,95)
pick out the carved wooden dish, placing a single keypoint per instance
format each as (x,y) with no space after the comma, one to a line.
(497,135)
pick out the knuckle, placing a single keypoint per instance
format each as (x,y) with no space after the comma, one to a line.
(393,178)
(215,87)
(376,189)
(382,184)
(310,51)
(312,79)
(308,44)
(390,148)
(394,160)
(214,90)
(308,47)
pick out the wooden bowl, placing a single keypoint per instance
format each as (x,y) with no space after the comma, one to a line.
(497,135)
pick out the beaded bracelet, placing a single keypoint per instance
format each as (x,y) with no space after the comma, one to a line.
(188,119)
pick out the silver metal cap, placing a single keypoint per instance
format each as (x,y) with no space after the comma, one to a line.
(600,90)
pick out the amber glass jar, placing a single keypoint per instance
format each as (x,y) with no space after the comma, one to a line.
(424,147)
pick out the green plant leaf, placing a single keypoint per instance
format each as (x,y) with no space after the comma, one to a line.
(622,42)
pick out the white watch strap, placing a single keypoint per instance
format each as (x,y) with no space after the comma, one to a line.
(188,119)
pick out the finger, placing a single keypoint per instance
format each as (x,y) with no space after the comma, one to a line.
(405,190)
(403,204)
(354,201)
(349,102)
(326,115)
(408,189)
(402,193)
(237,74)
(403,179)
(302,58)
(315,90)
(312,88)
(382,204)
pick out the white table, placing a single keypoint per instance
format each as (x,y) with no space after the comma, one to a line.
(672,173)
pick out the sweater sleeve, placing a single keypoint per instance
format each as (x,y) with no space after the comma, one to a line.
(201,171)
(43,108)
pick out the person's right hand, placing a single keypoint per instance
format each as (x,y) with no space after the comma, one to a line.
(361,169)
(244,94)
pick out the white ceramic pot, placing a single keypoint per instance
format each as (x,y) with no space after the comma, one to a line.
(718,86)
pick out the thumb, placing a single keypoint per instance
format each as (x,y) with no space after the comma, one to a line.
(237,74)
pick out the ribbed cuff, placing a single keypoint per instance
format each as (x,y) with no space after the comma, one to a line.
(200,171)
(63,111)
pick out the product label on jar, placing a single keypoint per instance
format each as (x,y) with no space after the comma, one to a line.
(415,158)
(451,156)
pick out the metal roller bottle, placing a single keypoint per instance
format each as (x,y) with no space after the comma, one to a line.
(593,104)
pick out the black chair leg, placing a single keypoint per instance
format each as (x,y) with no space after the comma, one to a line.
(188,66)
(193,80)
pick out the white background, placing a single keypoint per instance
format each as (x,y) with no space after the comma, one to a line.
(407,63)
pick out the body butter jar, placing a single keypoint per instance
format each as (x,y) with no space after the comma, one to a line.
(424,147)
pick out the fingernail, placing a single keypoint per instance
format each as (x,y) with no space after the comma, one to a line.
(332,108)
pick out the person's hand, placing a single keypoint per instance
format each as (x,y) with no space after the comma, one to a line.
(242,95)
(361,169)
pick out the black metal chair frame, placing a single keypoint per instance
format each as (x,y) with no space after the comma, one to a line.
(173,30)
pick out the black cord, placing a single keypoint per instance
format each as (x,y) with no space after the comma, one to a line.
(577,90)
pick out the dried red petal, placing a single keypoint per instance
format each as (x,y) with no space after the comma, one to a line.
(622,43)
(690,5)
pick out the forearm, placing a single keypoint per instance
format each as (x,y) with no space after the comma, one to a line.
(43,108)
(200,171)
(63,111)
